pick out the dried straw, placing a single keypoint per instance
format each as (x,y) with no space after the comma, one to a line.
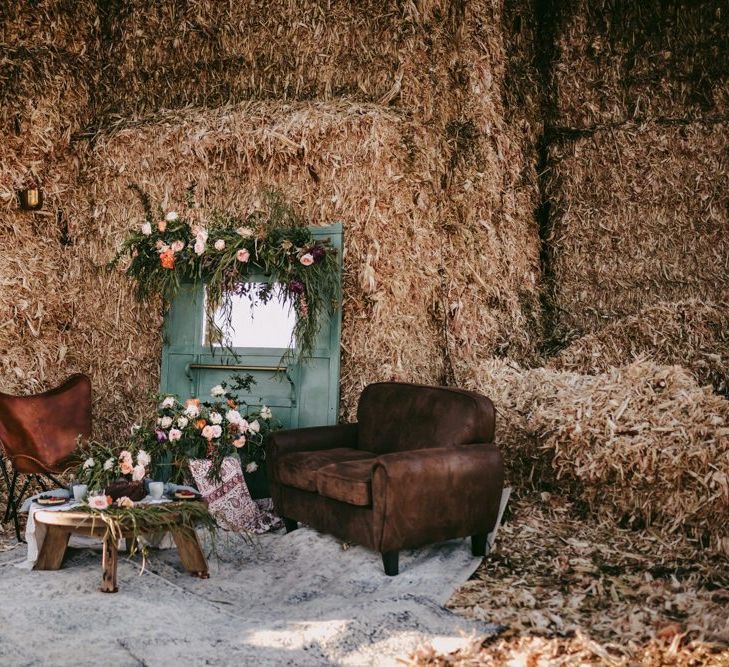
(639,216)
(644,443)
(688,333)
(617,61)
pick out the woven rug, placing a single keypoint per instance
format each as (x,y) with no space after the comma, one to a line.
(300,599)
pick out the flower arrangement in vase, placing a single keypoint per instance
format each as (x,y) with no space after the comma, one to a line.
(212,429)
(107,472)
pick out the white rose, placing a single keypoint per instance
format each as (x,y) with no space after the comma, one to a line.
(138,473)
(143,459)
(109,463)
(220,244)
(254,426)
(233,416)
(199,247)
(252,467)
(192,411)
(201,234)
(217,390)
(169,402)
(182,422)
(217,431)
(165,422)
(171,216)
(88,463)
(216,418)
(147,229)
(175,434)
(266,412)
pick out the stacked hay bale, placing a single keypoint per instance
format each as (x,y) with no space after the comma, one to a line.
(374,170)
(643,444)
(692,334)
(639,159)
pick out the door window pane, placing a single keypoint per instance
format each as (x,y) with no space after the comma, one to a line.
(258,318)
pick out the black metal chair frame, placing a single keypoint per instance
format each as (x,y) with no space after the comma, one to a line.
(15,502)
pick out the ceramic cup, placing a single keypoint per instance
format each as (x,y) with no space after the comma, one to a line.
(156,489)
(79,492)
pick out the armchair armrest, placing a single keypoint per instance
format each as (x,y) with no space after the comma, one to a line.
(312,439)
(428,495)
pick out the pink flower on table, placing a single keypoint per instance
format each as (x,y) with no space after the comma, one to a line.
(125,502)
(99,502)
(138,473)
(307,259)
(243,255)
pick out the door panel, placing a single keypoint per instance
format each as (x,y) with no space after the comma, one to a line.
(302,393)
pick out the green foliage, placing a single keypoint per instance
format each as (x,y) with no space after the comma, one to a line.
(174,249)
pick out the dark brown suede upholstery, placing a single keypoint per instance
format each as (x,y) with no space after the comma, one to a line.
(417,467)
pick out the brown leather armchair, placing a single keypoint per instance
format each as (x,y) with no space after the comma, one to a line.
(39,433)
(417,467)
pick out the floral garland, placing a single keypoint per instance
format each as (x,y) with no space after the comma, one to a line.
(222,250)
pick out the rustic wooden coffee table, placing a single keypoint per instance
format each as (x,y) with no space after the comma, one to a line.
(61,525)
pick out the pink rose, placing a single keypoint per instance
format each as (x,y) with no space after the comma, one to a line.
(307,259)
(126,468)
(177,246)
(138,473)
(242,255)
(239,442)
(207,432)
(220,244)
(199,247)
(98,502)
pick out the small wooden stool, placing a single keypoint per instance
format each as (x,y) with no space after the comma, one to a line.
(61,525)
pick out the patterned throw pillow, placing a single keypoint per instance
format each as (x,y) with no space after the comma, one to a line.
(228,499)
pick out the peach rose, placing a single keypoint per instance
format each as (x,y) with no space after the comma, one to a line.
(126,468)
(99,502)
(125,502)
(162,225)
(239,442)
(243,255)
(307,259)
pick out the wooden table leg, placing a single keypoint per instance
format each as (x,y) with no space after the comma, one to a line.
(191,553)
(108,562)
(53,549)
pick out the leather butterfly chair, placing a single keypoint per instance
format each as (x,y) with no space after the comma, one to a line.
(39,435)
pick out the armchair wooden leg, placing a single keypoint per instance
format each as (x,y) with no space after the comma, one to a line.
(290,524)
(479,544)
(390,559)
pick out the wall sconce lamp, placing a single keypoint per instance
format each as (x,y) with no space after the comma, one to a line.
(31,199)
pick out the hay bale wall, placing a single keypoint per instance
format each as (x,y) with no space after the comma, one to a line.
(692,334)
(618,60)
(640,215)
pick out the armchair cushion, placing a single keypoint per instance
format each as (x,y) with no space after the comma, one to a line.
(299,469)
(348,481)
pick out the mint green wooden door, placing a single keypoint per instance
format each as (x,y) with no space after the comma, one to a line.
(300,393)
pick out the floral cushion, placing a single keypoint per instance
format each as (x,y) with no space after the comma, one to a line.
(228,499)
